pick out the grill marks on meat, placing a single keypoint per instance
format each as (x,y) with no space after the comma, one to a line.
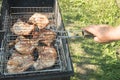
(26,46)
(19,63)
(47,57)
(39,20)
(22,28)
(27,42)
(45,36)
(23,45)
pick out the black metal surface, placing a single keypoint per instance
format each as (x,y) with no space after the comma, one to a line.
(0,24)
(31,3)
(14,9)
(1,36)
(39,78)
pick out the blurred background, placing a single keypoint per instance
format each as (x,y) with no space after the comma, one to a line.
(91,60)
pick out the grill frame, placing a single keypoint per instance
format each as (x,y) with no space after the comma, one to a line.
(62,75)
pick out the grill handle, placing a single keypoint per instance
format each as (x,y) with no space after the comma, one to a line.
(74,34)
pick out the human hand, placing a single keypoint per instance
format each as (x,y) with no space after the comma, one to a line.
(102,33)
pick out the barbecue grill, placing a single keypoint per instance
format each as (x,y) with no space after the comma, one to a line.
(14,9)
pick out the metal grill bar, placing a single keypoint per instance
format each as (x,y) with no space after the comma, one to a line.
(26,16)
(25,13)
(60,64)
(1,63)
(1,58)
(24,10)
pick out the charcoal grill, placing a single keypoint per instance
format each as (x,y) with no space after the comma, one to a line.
(14,9)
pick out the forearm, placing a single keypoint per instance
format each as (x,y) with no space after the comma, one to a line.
(115,33)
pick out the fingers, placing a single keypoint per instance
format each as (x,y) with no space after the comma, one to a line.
(97,30)
(97,39)
(92,29)
(100,32)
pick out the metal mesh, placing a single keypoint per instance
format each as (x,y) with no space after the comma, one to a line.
(22,10)
(24,13)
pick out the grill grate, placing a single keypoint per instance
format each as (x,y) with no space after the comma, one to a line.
(24,13)
(22,10)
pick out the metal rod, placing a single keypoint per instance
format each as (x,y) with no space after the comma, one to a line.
(19,12)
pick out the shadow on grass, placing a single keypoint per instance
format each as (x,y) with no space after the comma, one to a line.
(91,64)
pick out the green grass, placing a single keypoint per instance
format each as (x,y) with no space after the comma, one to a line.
(91,60)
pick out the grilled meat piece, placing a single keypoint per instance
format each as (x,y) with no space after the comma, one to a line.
(19,63)
(45,36)
(47,57)
(22,28)
(39,20)
(26,46)
(13,42)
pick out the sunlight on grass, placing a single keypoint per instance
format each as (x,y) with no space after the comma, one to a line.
(92,61)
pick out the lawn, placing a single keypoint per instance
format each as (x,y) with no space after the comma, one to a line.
(91,60)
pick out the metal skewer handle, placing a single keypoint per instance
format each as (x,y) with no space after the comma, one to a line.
(74,34)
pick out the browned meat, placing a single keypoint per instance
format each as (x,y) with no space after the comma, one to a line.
(39,20)
(19,63)
(23,45)
(22,28)
(13,42)
(47,57)
(45,36)
(26,46)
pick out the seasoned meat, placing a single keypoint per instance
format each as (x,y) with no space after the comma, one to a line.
(19,63)
(26,46)
(47,57)
(45,36)
(22,28)
(39,20)
(13,42)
